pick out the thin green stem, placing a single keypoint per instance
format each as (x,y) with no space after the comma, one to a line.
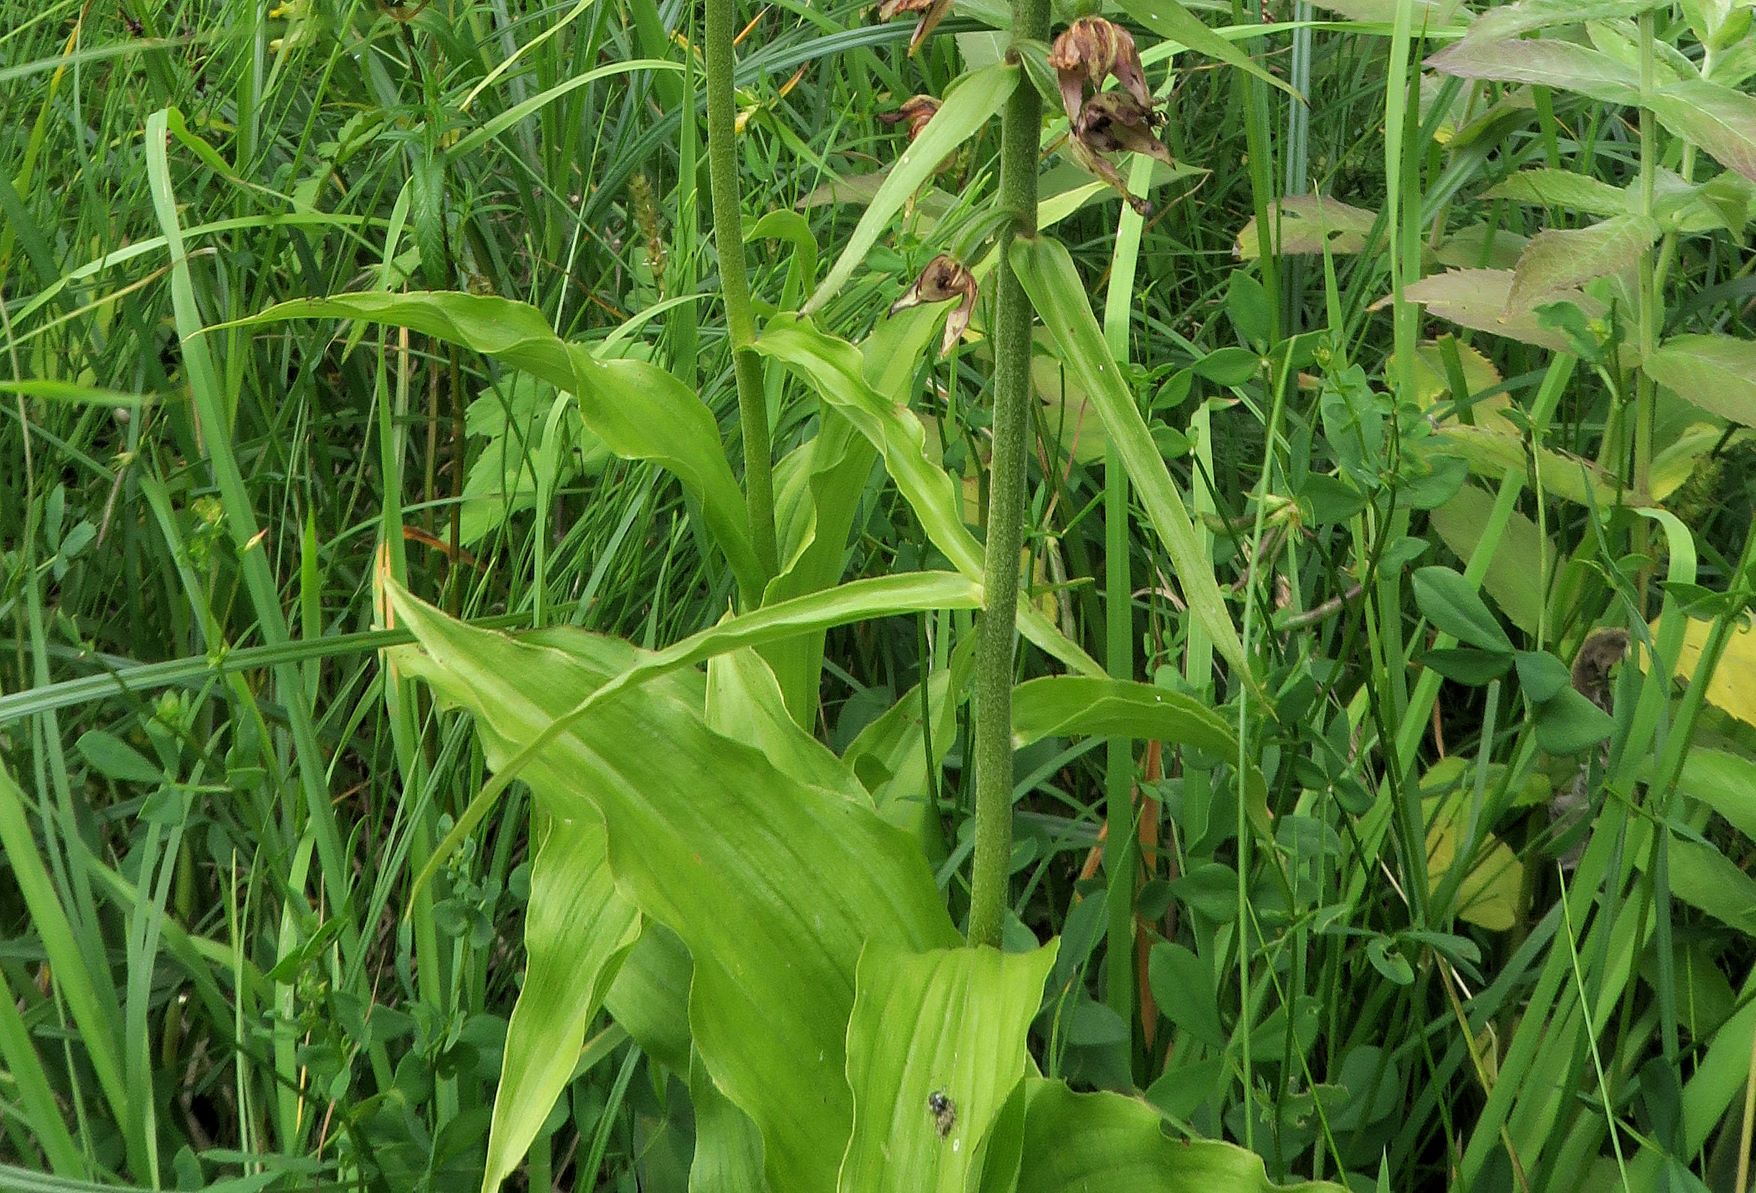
(1020,135)
(728,238)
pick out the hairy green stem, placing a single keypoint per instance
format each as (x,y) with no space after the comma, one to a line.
(728,239)
(1020,138)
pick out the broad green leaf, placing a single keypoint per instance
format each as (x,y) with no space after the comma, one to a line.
(1046,271)
(1170,20)
(1703,877)
(1545,61)
(834,368)
(650,997)
(1562,188)
(1713,117)
(1447,600)
(890,754)
(1090,706)
(1562,258)
(1308,224)
(115,759)
(1522,563)
(728,1147)
(1571,724)
(951,1023)
(1514,19)
(1540,674)
(1115,1144)
(774,886)
(744,703)
(819,495)
(966,108)
(1182,985)
(1725,782)
(576,931)
(638,410)
(1479,299)
(872,597)
(1715,372)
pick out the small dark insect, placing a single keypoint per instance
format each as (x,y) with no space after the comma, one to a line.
(944,1112)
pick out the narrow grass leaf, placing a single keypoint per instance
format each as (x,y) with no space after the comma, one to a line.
(966,108)
(1169,19)
(1046,271)
(936,1046)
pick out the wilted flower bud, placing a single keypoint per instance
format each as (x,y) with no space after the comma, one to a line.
(932,12)
(944,278)
(916,111)
(1090,50)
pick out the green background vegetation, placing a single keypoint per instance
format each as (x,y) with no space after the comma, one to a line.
(339,338)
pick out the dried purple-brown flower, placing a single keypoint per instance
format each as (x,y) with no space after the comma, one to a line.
(1116,122)
(944,278)
(916,111)
(932,12)
(1089,51)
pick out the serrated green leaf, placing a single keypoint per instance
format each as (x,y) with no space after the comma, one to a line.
(1545,61)
(1713,117)
(1715,372)
(1561,259)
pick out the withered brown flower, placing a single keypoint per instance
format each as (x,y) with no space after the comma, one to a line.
(917,110)
(1089,51)
(1115,121)
(932,12)
(944,278)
